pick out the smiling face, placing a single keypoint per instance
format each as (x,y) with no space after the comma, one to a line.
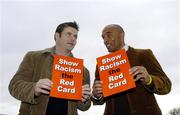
(67,39)
(113,38)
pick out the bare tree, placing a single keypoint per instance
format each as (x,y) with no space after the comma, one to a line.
(175,111)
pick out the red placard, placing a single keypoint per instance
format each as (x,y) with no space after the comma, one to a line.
(67,75)
(114,72)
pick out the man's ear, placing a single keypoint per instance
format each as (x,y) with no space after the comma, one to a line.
(56,35)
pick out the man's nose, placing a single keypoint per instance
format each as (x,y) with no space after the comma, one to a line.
(105,41)
(73,38)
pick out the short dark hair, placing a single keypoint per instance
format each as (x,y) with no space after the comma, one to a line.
(61,27)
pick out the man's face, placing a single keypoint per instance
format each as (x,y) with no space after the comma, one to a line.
(113,38)
(68,38)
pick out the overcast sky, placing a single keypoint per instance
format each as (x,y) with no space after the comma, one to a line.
(28,25)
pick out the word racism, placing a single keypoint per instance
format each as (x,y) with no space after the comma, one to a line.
(67,69)
(112,65)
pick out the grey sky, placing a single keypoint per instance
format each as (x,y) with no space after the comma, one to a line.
(30,24)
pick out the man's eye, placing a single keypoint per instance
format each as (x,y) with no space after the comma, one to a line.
(75,36)
(108,35)
(68,34)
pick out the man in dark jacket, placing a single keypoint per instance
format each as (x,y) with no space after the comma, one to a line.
(32,82)
(148,75)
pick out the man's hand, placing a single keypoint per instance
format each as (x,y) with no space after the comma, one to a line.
(97,88)
(43,86)
(141,74)
(86,92)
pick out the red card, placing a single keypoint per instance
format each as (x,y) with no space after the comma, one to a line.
(114,72)
(67,75)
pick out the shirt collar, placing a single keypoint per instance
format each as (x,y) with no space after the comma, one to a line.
(70,54)
(125,47)
(52,51)
(48,50)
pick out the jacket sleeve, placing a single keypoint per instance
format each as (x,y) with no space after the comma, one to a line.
(21,86)
(161,84)
(86,80)
(102,99)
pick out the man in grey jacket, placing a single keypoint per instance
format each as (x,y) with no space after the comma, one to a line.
(32,82)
